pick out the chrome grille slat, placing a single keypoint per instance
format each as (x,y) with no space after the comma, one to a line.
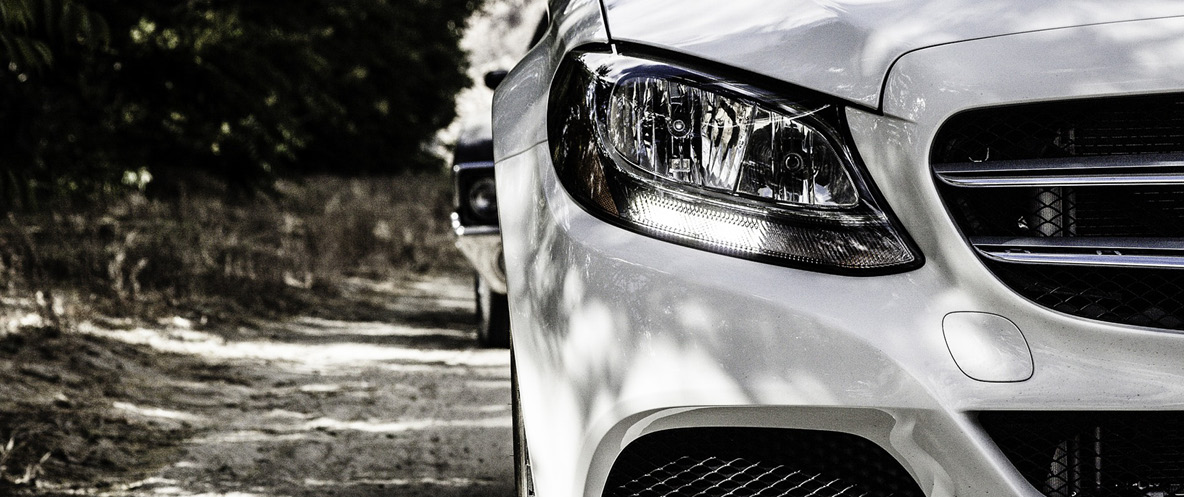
(1084,251)
(1077,205)
(1107,170)
(1050,181)
(1166,245)
(1089,260)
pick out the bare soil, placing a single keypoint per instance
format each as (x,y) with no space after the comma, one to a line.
(387,395)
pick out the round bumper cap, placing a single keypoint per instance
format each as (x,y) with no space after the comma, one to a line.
(988,347)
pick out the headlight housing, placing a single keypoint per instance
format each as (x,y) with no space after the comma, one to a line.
(475,195)
(704,161)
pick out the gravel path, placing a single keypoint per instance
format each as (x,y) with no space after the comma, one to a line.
(406,407)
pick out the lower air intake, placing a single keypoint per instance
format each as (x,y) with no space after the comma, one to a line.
(757,462)
(1098,454)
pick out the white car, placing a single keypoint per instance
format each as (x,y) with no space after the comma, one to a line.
(822,248)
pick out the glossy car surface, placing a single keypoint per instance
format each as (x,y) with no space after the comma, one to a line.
(636,346)
(474,220)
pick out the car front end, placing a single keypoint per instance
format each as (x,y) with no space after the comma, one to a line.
(893,248)
(478,236)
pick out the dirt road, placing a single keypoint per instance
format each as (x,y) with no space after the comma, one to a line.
(407,406)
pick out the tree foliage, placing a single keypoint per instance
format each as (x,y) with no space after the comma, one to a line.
(115,92)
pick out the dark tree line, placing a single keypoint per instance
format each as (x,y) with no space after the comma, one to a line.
(94,94)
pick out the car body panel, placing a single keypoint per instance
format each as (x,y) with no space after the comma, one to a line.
(1142,367)
(1112,59)
(517,108)
(845,47)
(618,334)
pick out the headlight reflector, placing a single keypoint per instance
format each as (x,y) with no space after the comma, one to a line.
(700,138)
(703,161)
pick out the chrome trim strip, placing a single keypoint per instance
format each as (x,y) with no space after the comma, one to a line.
(1096,260)
(463,230)
(476,230)
(1065,244)
(1084,251)
(1110,170)
(464,166)
(1050,181)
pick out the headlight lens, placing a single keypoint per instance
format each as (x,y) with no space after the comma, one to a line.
(707,162)
(702,139)
(483,200)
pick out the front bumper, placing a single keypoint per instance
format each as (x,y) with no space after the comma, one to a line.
(618,335)
(629,335)
(482,246)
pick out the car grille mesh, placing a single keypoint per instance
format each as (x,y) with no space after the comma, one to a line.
(757,462)
(1086,127)
(1143,297)
(1118,454)
(1150,212)
(1059,212)
(1097,183)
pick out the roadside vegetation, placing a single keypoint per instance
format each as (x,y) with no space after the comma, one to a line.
(197,260)
(100,94)
(201,162)
(208,258)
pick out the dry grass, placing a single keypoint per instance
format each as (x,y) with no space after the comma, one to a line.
(195,256)
(200,254)
(58,416)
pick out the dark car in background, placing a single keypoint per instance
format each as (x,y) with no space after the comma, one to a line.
(478,236)
(475,220)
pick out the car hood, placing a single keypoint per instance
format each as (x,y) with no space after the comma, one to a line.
(846,47)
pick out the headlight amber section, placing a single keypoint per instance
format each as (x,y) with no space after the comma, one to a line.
(709,162)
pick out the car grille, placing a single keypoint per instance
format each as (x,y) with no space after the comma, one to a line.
(757,462)
(1076,205)
(1116,454)
(1144,297)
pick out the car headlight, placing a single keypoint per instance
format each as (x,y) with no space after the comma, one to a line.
(688,157)
(483,200)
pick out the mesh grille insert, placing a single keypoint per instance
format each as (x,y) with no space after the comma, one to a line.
(1079,211)
(757,462)
(1118,454)
(1074,128)
(1141,297)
